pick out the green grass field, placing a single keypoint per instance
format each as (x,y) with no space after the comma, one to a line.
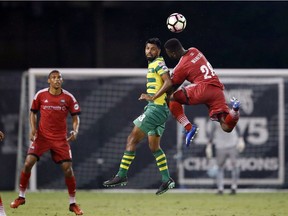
(99,203)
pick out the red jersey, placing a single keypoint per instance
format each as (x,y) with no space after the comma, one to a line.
(194,67)
(53,113)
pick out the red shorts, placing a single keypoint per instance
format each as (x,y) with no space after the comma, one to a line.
(210,95)
(60,149)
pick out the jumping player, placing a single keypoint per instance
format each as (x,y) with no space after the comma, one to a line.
(54,104)
(206,89)
(152,122)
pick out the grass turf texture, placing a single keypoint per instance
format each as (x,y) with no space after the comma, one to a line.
(141,204)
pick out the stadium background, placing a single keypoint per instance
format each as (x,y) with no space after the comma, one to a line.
(112,35)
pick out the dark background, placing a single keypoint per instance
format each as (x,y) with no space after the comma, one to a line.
(111,34)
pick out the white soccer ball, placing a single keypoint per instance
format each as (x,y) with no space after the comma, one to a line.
(176,22)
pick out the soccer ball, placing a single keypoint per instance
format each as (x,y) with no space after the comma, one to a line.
(176,22)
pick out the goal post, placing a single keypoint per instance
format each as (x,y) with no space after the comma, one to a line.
(28,90)
(108,99)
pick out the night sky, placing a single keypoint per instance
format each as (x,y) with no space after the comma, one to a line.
(107,34)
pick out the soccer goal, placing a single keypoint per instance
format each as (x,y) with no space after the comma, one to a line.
(109,102)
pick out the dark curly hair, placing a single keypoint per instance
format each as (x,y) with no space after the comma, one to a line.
(155,41)
(173,45)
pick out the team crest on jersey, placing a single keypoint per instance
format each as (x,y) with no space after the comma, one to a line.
(76,106)
(62,102)
(165,68)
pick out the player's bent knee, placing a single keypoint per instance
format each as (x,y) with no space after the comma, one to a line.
(180,96)
(68,171)
(29,163)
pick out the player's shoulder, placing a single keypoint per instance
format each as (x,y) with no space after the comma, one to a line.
(42,92)
(159,58)
(161,65)
(65,92)
(158,61)
(194,49)
(68,94)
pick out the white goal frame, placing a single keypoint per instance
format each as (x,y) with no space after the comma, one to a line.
(134,72)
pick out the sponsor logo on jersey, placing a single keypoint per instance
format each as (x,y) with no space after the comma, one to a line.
(51,107)
(62,101)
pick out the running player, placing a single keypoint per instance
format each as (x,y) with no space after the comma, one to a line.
(206,89)
(2,210)
(54,104)
(152,121)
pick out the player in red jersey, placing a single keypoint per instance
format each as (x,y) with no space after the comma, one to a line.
(2,210)
(54,104)
(206,88)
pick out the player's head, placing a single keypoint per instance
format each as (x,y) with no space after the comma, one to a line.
(174,48)
(152,49)
(55,79)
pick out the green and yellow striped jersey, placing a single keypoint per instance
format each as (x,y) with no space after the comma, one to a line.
(154,80)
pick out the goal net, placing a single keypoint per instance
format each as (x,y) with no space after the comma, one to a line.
(109,103)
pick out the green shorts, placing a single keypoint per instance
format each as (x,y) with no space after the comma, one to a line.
(152,121)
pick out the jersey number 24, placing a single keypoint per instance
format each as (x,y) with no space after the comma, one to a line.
(207,70)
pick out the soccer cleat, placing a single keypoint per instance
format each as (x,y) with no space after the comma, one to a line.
(165,186)
(190,135)
(116,181)
(235,103)
(17,202)
(76,209)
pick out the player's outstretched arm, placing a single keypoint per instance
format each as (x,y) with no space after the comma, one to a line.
(167,85)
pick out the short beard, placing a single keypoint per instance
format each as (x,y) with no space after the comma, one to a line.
(150,59)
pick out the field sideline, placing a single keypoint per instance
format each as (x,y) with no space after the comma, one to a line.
(146,203)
